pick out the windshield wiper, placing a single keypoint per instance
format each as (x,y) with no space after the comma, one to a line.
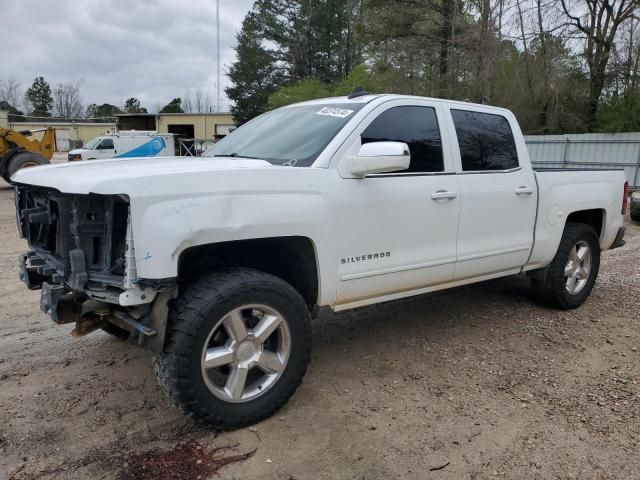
(236,155)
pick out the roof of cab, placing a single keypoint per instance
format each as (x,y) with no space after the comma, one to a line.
(364,99)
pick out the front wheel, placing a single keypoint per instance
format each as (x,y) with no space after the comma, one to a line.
(238,345)
(573,271)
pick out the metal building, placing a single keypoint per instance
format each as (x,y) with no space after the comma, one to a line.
(194,131)
(591,150)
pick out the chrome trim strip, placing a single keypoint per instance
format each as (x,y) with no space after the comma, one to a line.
(337,307)
(493,254)
(408,174)
(424,174)
(406,268)
(473,172)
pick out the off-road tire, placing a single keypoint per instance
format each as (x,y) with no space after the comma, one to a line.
(22,159)
(116,331)
(552,291)
(200,305)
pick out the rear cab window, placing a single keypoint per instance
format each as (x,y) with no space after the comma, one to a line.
(486,141)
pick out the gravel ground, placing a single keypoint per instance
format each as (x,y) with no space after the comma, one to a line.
(472,383)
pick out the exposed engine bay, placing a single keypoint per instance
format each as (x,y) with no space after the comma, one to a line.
(82,258)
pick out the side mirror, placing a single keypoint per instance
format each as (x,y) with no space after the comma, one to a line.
(379,157)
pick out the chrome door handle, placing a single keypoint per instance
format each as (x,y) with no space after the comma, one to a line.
(443,195)
(524,191)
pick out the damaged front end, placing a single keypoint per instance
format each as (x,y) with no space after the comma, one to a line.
(82,257)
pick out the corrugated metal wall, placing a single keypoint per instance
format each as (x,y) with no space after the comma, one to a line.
(592,150)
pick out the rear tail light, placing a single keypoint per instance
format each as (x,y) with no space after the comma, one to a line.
(625,198)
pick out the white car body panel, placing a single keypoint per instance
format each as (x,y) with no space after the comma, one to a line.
(486,230)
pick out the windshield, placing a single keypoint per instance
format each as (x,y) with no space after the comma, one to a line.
(293,136)
(91,144)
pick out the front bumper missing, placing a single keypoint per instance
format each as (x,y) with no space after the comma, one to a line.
(90,311)
(36,270)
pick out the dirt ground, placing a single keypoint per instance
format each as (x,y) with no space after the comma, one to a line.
(472,383)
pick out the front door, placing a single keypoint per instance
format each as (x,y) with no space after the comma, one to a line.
(105,149)
(400,231)
(499,196)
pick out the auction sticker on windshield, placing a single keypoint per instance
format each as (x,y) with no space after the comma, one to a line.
(335,112)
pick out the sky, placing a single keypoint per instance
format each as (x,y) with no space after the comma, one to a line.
(154,50)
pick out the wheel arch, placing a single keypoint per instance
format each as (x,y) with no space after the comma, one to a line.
(595,218)
(294,259)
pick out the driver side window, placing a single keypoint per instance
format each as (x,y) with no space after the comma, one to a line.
(106,144)
(417,127)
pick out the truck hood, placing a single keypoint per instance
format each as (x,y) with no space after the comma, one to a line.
(126,176)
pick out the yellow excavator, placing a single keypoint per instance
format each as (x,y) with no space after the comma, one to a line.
(18,151)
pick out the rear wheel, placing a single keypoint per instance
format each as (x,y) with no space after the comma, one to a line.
(573,272)
(23,160)
(238,345)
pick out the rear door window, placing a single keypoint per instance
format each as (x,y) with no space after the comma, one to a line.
(486,141)
(417,127)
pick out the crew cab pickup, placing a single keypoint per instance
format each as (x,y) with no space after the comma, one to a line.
(218,263)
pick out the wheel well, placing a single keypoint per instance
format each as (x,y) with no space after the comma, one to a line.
(292,259)
(593,218)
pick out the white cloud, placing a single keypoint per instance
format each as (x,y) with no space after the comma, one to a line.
(154,50)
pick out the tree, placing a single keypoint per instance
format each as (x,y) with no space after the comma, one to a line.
(255,74)
(174,106)
(308,89)
(525,55)
(66,99)
(10,93)
(360,76)
(620,113)
(199,102)
(106,110)
(39,98)
(599,25)
(311,38)
(132,105)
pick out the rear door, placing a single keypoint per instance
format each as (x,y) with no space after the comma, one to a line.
(498,194)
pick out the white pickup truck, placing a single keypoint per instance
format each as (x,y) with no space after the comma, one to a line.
(218,262)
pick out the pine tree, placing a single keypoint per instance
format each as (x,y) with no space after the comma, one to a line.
(39,97)
(254,74)
(132,105)
(174,106)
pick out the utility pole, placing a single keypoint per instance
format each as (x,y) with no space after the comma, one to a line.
(218,54)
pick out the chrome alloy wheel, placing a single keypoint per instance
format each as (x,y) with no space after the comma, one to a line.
(578,267)
(246,353)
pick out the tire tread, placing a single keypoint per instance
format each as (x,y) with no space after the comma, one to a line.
(185,318)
